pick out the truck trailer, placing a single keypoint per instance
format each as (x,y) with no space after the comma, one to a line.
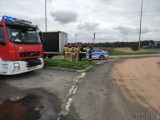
(20,46)
(53,43)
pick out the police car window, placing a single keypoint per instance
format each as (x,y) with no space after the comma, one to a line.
(99,50)
(2,39)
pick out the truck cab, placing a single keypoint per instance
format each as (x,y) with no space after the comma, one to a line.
(20,46)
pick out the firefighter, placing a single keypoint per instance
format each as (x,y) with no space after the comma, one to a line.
(90,52)
(70,52)
(76,50)
(80,52)
(65,51)
(20,37)
(84,51)
(73,52)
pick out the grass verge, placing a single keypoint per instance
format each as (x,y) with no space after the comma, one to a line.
(127,51)
(62,63)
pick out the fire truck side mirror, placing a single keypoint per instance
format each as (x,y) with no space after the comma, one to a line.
(41,36)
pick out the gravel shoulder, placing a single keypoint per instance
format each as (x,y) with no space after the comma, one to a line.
(139,79)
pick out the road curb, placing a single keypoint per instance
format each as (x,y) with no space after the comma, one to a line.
(84,70)
(63,69)
(71,70)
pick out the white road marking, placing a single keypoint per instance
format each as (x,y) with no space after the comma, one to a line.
(77,80)
(83,74)
(101,62)
(58,118)
(72,92)
(67,106)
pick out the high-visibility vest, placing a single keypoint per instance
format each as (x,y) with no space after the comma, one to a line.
(69,50)
(76,50)
(90,51)
(73,50)
(65,49)
(80,49)
(84,50)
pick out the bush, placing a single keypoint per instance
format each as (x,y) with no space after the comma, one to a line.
(134,47)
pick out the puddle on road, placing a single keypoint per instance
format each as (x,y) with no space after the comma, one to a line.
(25,108)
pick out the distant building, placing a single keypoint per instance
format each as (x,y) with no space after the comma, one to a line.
(157,44)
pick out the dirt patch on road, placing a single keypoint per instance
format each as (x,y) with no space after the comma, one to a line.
(139,81)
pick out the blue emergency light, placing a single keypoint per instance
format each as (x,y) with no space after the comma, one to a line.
(8,18)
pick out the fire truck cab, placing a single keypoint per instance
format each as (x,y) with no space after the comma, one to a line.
(20,46)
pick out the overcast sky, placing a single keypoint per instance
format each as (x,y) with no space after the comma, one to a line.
(111,20)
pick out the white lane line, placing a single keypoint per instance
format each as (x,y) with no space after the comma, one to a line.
(71,90)
(58,118)
(74,91)
(101,62)
(66,106)
(82,75)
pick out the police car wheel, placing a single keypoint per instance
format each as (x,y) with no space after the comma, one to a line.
(101,57)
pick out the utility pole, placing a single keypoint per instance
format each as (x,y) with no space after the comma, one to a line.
(46,15)
(94,37)
(139,46)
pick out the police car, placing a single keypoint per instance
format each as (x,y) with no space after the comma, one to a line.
(98,54)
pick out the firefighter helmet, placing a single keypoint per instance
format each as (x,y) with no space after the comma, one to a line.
(76,45)
(70,45)
(91,45)
(84,44)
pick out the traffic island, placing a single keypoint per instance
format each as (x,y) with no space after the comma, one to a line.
(62,64)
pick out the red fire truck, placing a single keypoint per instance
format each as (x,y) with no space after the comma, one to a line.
(20,46)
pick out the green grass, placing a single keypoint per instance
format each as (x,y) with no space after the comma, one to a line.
(62,63)
(126,51)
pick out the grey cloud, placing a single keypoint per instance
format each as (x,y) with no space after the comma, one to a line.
(109,13)
(64,17)
(88,26)
(109,2)
(128,30)
(49,0)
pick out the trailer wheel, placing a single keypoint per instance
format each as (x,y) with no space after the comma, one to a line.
(50,55)
(44,56)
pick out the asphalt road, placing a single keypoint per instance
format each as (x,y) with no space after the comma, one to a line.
(99,98)
(36,95)
(40,95)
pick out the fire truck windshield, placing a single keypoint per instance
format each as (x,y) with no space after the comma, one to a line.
(23,35)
